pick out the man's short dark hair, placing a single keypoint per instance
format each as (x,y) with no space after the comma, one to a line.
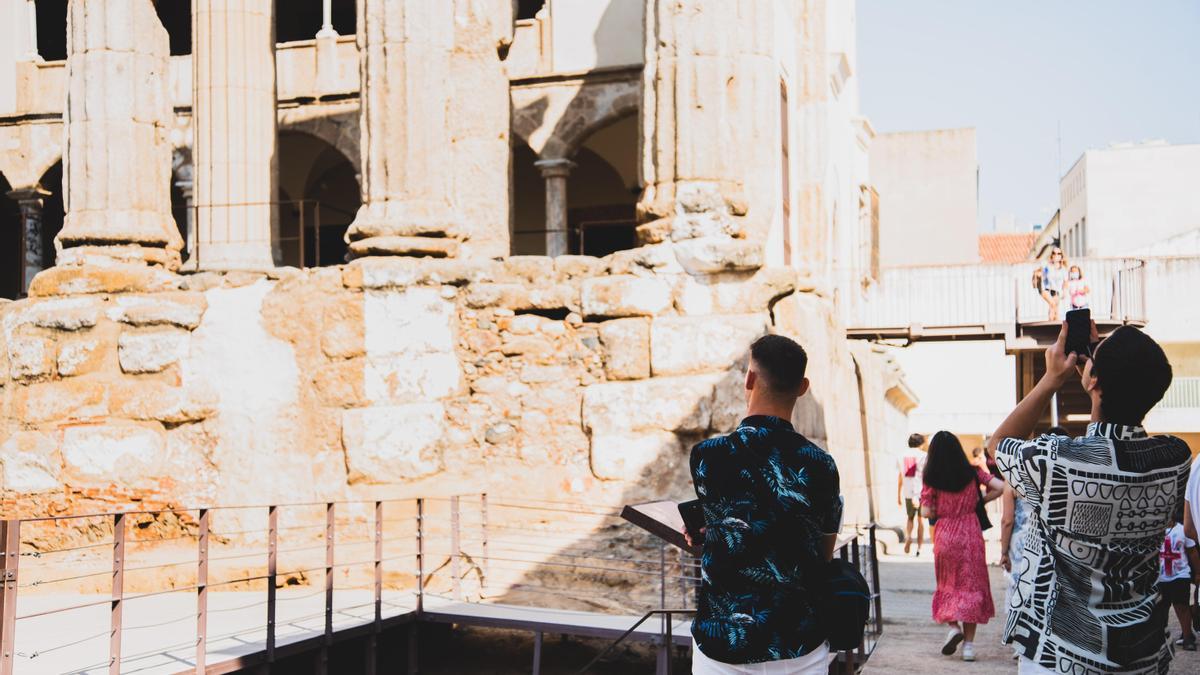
(781,363)
(916,440)
(1133,372)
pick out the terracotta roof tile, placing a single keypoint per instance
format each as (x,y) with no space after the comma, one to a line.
(1005,248)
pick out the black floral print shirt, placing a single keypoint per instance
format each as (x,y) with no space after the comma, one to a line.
(769,496)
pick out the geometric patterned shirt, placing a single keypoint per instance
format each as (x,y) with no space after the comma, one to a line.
(768,495)
(1085,599)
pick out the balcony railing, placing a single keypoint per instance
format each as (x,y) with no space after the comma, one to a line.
(1184,393)
(986,298)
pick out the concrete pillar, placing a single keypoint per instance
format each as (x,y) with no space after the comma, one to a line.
(233,119)
(117,161)
(31,201)
(327,53)
(404,71)
(709,121)
(556,172)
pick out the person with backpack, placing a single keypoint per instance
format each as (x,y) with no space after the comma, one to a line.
(963,598)
(772,510)
(908,490)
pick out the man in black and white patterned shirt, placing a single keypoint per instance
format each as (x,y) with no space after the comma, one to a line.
(1085,599)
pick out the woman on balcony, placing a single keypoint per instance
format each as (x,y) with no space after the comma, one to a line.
(1054,282)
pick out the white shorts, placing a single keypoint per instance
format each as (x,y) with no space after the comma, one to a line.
(1028,667)
(815,662)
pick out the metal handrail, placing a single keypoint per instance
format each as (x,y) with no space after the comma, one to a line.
(668,613)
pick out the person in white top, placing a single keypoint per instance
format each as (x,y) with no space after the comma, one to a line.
(1175,578)
(908,490)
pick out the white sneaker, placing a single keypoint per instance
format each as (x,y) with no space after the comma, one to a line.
(952,640)
(968,652)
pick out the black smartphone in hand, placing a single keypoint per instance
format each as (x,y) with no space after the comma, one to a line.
(693,517)
(1079,332)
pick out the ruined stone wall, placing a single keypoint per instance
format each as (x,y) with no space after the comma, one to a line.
(573,377)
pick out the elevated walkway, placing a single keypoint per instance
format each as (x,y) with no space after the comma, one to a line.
(986,302)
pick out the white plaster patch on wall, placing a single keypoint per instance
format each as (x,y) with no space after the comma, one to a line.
(257,380)
(391,444)
(128,455)
(409,338)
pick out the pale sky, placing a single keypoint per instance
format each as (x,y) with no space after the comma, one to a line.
(1106,70)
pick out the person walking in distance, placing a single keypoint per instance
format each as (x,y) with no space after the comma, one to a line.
(908,490)
(1175,578)
(963,598)
(772,509)
(1085,599)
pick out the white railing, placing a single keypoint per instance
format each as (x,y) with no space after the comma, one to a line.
(1184,393)
(948,296)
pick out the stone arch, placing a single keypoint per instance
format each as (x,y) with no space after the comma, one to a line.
(555,121)
(318,184)
(339,131)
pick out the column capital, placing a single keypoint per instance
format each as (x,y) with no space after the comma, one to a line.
(555,168)
(37,193)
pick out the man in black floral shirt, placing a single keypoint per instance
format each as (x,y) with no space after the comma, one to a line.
(772,510)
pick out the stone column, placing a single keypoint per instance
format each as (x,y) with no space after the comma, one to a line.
(556,172)
(31,43)
(31,201)
(117,162)
(233,119)
(405,49)
(327,55)
(709,121)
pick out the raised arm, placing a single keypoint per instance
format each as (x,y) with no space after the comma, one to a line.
(1008,518)
(1060,367)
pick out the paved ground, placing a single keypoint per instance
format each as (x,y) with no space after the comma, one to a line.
(911,641)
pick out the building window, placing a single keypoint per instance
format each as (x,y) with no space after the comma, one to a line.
(52,29)
(528,9)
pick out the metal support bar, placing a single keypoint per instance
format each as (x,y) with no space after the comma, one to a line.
(414,627)
(875,590)
(483,516)
(373,638)
(272,569)
(10,539)
(537,653)
(118,593)
(202,594)
(301,264)
(323,663)
(455,547)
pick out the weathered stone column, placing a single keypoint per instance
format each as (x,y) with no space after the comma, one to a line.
(31,201)
(233,119)
(710,95)
(327,55)
(404,71)
(556,172)
(117,163)
(31,43)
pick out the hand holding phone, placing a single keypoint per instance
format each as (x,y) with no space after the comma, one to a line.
(1079,332)
(693,519)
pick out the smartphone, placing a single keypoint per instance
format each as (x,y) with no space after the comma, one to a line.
(693,516)
(1079,331)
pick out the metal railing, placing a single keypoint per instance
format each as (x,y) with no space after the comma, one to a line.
(982,295)
(377,561)
(298,239)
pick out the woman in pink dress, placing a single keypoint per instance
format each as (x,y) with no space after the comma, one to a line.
(950,494)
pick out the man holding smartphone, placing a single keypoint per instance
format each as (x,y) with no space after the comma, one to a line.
(1086,599)
(772,510)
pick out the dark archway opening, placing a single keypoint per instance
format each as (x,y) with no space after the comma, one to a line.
(52,213)
(176,17)
(529,203)
(321,196)
(52,29)
(301,19)
(528,9)
(11,249)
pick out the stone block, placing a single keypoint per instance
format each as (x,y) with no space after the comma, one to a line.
(654,259)
(341,383)
(127,455)
(627,456)
(402,378)
(423,247)
(182,310)
(624,295)
(531,374)
(30,356)
(534,269)
(29,463)
(687,344)
(150,351)
(80,355)
(709,255)
(158,401)
(523,297)
(65,314)
(526,345)
(680,404)
(733,293)
(343,330)
(526,324)
(568,267)
(393,444)
(119,278)
(65,400)
(398,272)
(412,320)
(626,348)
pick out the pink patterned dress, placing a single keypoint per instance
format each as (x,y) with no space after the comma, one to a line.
(964,591)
